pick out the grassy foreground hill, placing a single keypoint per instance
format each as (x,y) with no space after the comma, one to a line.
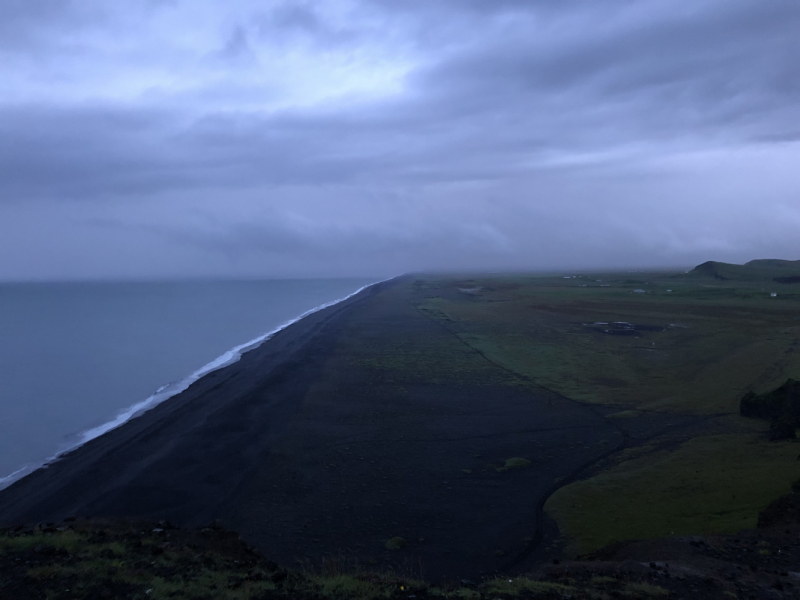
(103,559)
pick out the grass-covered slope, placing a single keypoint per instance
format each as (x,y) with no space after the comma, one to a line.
(102,559)
(98,559)
(644,348)
(770,269)
(94,560)
(709,484)
(678,344)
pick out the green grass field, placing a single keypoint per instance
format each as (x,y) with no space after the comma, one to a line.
(710,484)
(697,348)
(679,343)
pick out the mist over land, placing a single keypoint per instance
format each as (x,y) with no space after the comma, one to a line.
(162,139)
(582,386)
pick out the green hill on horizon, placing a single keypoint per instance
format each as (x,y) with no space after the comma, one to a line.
(765,269)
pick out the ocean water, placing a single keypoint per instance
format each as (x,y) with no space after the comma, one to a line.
(75,357)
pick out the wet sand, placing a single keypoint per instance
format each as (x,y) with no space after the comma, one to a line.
(360,423)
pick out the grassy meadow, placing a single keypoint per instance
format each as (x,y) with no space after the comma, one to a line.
(710,484)
(696,348)
(641,343)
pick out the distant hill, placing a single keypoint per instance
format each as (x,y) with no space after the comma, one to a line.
(774,263)
(765,269)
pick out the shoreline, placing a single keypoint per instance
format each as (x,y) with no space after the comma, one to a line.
(363,422)
(170,390)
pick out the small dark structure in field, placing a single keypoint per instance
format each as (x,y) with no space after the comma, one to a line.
(781,405)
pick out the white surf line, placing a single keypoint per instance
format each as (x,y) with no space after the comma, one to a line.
(166,392)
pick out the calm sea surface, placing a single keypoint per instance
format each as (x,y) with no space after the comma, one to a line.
(75,355)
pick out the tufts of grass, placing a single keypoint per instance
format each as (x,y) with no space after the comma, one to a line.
(214,564)
(127,563)
(524,586)
(66,540)
(644,590)
(353,588)
(711,484)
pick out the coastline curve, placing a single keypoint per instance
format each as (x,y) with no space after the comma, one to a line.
(169,390)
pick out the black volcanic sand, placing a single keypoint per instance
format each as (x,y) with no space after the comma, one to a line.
(363,422)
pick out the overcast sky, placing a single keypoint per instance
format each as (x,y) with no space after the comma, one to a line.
(162,138)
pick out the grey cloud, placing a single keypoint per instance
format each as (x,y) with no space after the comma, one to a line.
(716,67)
(36,27)
(292,17)
(236,46)
(288,20)
(68,153)
(522,133)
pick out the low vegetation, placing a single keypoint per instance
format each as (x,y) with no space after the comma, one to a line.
(639,345)
(686,344)
(93,560)
(709,484)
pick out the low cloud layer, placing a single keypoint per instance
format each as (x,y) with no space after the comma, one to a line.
(161,138)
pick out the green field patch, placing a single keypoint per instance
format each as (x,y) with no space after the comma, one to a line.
(711,484)
(690,344)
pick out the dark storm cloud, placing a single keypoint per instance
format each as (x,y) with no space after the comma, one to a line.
(708,68)
(468,131)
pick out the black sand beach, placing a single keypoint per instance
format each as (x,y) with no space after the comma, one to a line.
(360,423)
